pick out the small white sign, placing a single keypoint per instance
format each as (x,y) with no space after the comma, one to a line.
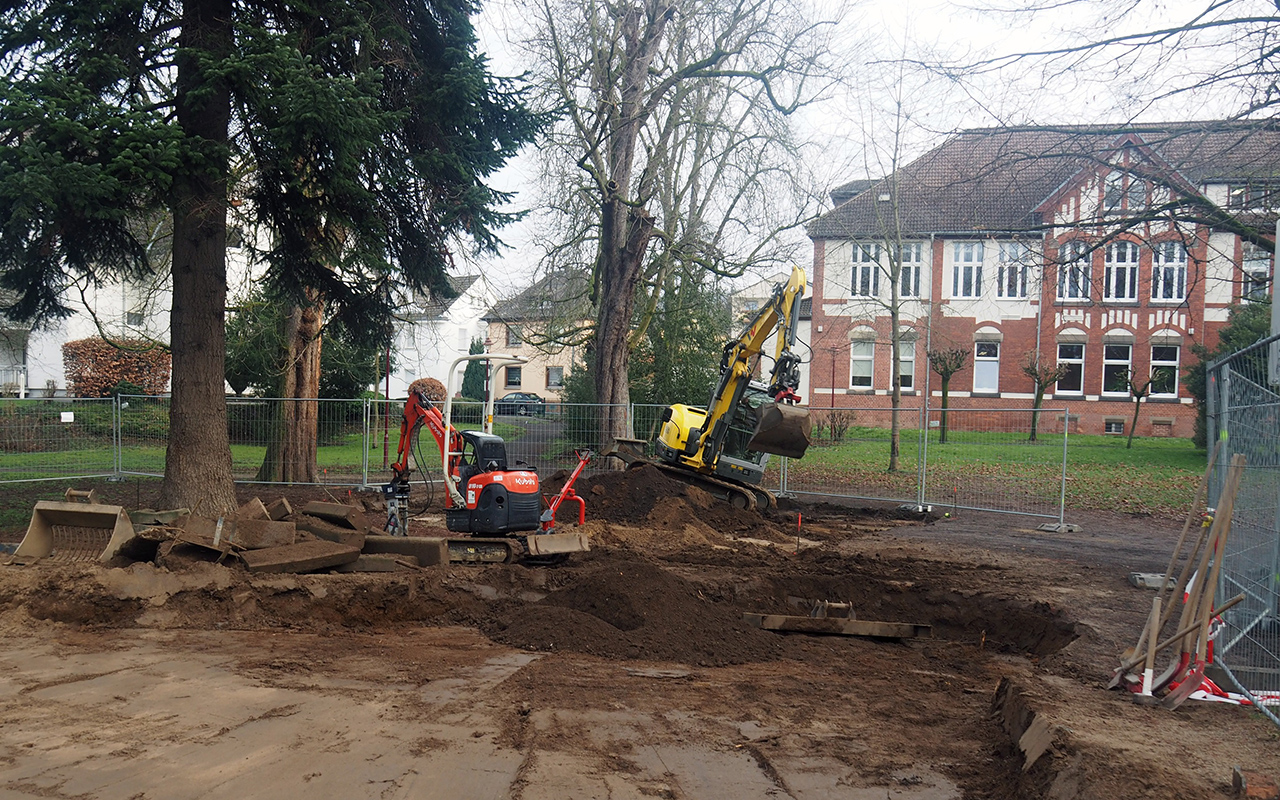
(68,416)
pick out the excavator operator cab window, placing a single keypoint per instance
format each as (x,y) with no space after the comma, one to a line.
(743,425)
(481,453)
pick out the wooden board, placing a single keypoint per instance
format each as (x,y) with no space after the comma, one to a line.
(841,627)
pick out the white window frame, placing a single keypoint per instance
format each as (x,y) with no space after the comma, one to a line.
(910,265)
(512,372)
(866,270)
(862,354)
(514,339)
(966,269)
(1121,272)
(986,367)
(555,384)
(1015,260)
(1078,361)
(1112,363)
(1113,190)
(1075,274)
(907,363)
(1169,272)
(1255,264)
(1163,361)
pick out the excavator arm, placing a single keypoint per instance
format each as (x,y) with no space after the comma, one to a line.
(782,428)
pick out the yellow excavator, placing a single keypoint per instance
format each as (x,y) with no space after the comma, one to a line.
(724,447)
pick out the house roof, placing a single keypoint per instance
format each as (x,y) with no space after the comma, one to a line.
(556,296)
(436,306)
(992,180)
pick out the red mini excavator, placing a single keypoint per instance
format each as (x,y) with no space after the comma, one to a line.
(499,505)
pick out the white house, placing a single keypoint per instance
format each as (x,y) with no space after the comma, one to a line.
(433,332)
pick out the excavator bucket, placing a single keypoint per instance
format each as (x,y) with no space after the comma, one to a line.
(781,429)
(75,532)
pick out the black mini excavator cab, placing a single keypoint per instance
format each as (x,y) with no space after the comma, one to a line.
(481,452)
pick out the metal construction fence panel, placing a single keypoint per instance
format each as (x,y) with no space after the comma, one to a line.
(1244,418)
(334,431)
(57,438)
(980,459)
(973,459)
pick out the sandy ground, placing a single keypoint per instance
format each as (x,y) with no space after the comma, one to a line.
(625,673)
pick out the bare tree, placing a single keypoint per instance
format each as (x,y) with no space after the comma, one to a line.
(665,102)
(947,363)
(1042,377)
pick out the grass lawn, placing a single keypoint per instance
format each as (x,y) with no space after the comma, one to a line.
(1155,476)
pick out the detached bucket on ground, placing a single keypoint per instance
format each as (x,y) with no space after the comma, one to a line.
(75,532)
(781,429)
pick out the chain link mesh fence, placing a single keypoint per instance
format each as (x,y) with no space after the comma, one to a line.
(1243,415)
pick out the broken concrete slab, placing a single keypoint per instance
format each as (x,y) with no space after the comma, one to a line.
(279,508)
(337,513)
(254,509)
(330,532)
(300,557)
(256,534)
(207,532)
(380,562)
(429,550)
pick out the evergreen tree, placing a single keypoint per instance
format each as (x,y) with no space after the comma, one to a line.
(473,378)
(367,132)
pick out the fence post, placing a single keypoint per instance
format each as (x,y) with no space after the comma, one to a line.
(364,445)
(1062,490)
(117,436)
(922,449)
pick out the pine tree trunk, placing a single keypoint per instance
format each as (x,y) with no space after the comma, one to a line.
(198,455)
(301,427)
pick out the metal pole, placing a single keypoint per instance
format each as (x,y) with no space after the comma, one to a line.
(1062,491)
(364,443)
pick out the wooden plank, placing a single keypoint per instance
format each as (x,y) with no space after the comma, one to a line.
(329,531)
(841,627)
(300,557)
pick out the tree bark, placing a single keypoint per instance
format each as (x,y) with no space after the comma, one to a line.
(624,236)
(302,386)
(198,455)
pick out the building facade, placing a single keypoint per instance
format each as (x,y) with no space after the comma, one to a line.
(1101,254)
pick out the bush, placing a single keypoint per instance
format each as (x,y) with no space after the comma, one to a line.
(96,367)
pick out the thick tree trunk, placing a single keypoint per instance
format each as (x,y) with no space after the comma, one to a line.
(302,384)
(198,456)
(295,422)
(625,234)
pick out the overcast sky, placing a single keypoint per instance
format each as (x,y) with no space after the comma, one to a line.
(876,32)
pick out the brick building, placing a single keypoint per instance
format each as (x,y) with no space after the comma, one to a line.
(1108,251)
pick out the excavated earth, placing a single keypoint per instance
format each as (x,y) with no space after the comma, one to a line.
(627,672)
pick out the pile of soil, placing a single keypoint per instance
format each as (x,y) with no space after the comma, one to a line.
(631,609)
(646,497)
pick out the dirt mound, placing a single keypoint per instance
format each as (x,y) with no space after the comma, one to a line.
(648,497)
(633,609)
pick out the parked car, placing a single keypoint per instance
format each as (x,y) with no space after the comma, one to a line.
(521,403)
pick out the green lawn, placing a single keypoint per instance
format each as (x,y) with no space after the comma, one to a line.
(1156,476)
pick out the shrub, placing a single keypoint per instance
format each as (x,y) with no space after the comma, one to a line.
(95,366)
